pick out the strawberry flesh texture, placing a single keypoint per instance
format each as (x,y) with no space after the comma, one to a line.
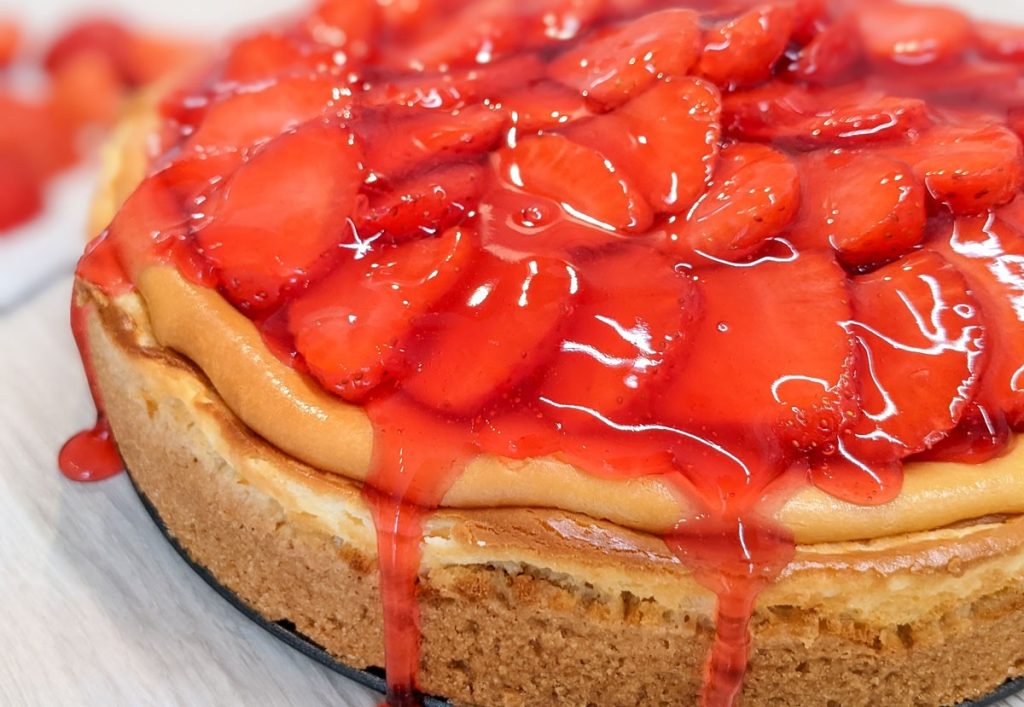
(263,247)
(613,65)
(913,35)
(755,195)
(424,205)
(666,140)
(399,140)
(799,383)
(456,88)
(868,207)
(484,31)
(503,325)
(990,253)
(968,168)
(834,55)
(349,325)
(920,348)
(808,119)
(544,104)
(581,179)
(744,50)
(626,335)
(247,118)
(151,223)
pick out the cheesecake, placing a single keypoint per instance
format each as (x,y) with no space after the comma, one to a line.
(596,352)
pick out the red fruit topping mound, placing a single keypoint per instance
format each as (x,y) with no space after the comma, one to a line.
(732,245)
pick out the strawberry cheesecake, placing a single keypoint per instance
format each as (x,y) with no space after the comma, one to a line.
(591,352)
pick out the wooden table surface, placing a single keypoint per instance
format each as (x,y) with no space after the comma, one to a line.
(96,607)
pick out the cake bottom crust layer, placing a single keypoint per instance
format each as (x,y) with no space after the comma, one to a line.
(510,634)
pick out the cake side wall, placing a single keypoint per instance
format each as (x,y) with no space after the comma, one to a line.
(501,636)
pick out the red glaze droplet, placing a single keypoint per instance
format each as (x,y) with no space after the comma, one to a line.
(91,455)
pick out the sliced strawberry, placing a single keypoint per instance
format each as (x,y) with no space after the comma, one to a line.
(868,207)
(614,65)
(989,251)
(21,193)
(744,50)
(10,41)
(86,90)
(348,325)
(346,25)
(544,104)
(193,176)
(261,57)
(32,133)
(987,85)
(519,224)
(102,36)
(921,344)
(913,35)
(666,140)
(247,118)
(262,247)
(400,140)
(481,32)
(581,179)
(457,87)
(769,355)
(1000,40)
(982,435)
(630,329)
(152,57)
(150,227)
(811,17)
(833,56)
(807,119)
(504,323)
(424,205)
(971,168)
(755,195)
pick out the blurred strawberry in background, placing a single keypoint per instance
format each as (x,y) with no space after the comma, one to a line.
(57,98)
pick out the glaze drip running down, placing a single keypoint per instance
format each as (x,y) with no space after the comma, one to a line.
(744,247)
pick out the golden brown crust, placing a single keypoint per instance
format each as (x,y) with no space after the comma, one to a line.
(534,607)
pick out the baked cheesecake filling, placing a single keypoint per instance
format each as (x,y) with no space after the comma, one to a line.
(733,250)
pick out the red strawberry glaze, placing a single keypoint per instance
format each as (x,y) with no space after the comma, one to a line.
(702,241)
(91,454)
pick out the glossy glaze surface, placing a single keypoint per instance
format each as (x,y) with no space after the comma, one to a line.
(743,247)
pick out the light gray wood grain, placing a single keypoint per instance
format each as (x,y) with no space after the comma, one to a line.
(96,608)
